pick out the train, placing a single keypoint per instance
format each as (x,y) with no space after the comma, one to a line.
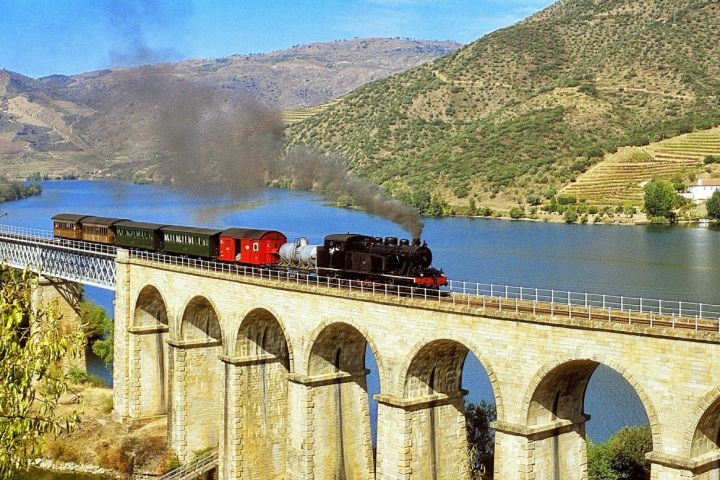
(352,256)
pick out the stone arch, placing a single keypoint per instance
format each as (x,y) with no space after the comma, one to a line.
(150,354)
(543,374)
(472,348)
(432,385)
(324,329)
(553,407)
(703,436)
(150,308)
(257,393)
(196,379)
(253,335)
(200,321)
(340,404)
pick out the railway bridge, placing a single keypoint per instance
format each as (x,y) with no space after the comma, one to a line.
(269,367)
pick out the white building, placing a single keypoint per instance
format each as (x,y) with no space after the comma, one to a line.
(702,189)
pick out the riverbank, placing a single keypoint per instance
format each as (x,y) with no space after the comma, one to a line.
(101,446)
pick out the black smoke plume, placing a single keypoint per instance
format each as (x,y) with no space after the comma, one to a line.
(217,139)
(310,169)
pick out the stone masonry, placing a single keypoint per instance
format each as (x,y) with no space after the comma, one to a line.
(272,374)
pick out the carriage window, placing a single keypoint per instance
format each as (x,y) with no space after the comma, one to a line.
(256,247)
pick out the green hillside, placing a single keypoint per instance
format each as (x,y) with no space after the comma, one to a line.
(531,106)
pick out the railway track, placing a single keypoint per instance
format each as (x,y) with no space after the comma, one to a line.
(623,315)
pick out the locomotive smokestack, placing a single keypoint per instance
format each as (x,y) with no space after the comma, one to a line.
(416,241)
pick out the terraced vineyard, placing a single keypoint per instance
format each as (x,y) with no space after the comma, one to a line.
(300,114)
(620,177)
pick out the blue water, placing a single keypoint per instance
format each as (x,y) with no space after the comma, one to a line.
(657,262)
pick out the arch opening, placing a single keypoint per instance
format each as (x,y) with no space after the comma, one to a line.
(452,437)
(559,415)
(341,403)
(257,391)
(197,380)
(706,443)
(200,322)
(150,313)
(150,309)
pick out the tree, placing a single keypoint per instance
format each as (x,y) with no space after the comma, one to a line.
(713,206)
(481,438)
(659,198)
(622,456)
(99,330)
(32,346)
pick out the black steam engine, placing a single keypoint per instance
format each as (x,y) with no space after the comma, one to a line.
(366,257)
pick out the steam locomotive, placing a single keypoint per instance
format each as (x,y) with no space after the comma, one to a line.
(351,256)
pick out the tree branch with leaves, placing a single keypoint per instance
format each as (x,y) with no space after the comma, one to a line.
(32,381)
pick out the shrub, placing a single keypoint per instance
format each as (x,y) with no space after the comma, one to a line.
(711,159)
(566,200)
(517,213)
(114,457)
(107,404)
(78,376)
(659,221)
(533,199)
(570,216)
(593,210)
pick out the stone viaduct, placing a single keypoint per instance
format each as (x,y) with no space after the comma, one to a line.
(273,375)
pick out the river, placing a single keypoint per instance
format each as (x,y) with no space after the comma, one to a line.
(678,263)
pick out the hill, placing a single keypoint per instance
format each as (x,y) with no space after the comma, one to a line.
(97,121)
(527,109)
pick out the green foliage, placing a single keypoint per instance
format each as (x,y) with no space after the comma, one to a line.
(659,221)
(16,191)
(566,200)
(711,159)
(659,198)
(629,209)
(75,375)
(622,457)
(713,206)
(517,213)
(481,438)
(31,384)
(570,216)
(99,329)
(593,210)
(533,199)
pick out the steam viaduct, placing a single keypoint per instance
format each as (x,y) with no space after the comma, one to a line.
(274,374)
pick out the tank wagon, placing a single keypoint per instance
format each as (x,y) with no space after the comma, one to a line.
(344,255)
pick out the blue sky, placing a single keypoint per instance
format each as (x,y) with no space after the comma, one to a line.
(42,37)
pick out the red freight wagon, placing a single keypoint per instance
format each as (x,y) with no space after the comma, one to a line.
(251,246)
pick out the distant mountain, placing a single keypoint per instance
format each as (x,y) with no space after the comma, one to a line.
(97,120)
(526,109)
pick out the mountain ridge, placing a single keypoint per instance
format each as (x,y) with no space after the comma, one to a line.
(96,122)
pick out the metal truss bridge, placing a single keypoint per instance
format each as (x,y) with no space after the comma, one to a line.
(82,262)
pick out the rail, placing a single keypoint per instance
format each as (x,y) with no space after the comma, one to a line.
(45,237)
(556,303)
(201,465)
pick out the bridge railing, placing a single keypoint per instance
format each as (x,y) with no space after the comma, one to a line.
(46,237)
(569,304)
